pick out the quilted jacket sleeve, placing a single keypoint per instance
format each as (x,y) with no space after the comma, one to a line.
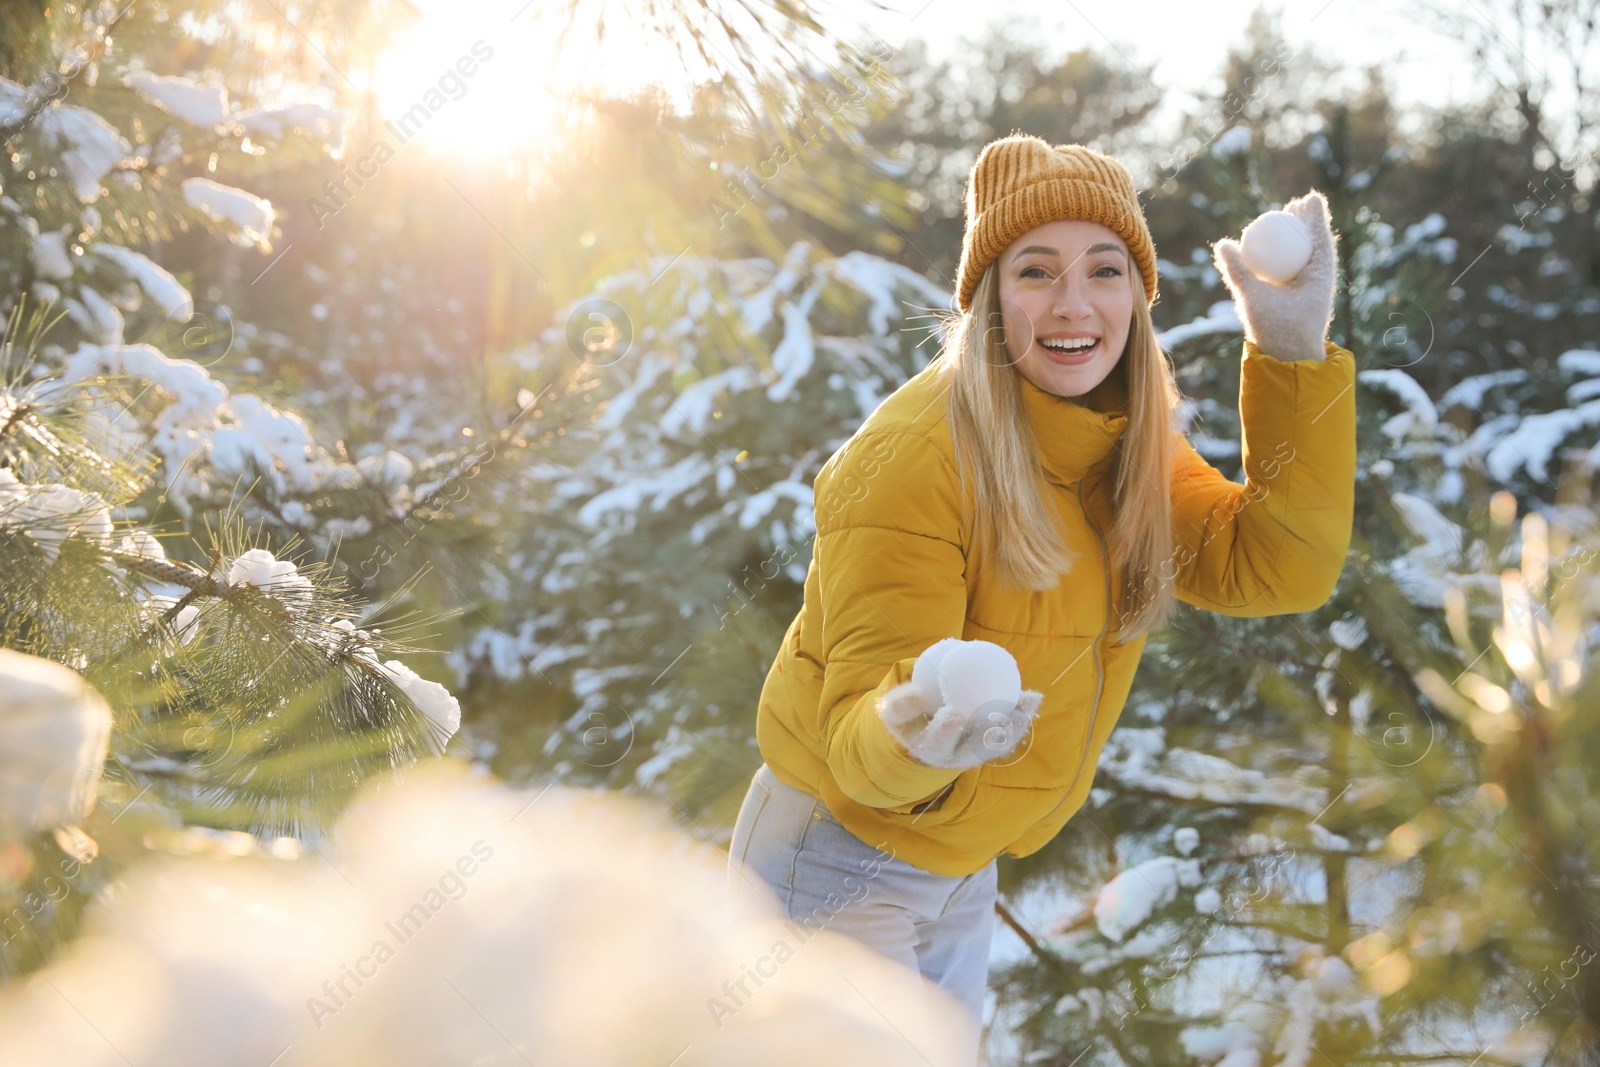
(1275,545)
(892,573)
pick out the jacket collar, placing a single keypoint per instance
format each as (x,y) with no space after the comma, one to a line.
(1073,438)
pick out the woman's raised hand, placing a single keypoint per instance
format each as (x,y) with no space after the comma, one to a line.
(1288,321)
(964,705)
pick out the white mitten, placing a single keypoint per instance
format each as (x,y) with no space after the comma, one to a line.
(1287,321)
(963,706)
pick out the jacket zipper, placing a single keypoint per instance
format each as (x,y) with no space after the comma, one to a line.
(1099,678)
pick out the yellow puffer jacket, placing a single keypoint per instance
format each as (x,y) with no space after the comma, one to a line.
(893,570)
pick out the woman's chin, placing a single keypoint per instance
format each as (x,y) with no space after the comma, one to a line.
(1068,381)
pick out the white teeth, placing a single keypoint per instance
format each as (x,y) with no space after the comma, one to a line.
(1072,345)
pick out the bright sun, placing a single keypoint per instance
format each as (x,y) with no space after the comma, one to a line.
(488,84)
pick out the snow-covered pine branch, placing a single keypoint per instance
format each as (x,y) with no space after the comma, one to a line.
(251,689)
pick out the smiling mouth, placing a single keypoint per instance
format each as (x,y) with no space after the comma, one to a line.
(1070,355)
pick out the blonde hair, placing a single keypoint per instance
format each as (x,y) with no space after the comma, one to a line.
(990,428)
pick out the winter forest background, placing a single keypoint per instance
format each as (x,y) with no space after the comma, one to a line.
(327,447)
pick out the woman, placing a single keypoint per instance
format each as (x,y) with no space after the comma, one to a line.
(1027,490)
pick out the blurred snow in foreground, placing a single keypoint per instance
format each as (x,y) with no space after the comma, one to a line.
(453,919)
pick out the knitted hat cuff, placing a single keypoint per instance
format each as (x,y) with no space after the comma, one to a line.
(1085,186)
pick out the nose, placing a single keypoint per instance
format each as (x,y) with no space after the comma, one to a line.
(1071,296)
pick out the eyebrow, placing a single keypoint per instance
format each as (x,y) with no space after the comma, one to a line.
(1103,246)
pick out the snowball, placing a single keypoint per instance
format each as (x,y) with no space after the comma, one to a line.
(55,730)
(925,672)
(196,104)
(1185,839)
(1207,901)
(1276,247)
(975,673)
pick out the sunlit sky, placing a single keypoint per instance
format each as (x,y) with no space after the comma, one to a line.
(1188,41)
(510,99)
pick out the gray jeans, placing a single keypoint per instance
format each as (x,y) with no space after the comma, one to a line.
(825,876)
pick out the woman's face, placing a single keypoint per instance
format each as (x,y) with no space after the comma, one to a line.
(1062,281)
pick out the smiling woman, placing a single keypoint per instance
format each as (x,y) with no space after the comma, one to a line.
(973,620)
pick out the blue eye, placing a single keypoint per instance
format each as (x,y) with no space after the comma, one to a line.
(1042,272)
(1114,271)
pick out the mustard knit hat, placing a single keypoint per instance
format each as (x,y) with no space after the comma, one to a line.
(1020,182)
